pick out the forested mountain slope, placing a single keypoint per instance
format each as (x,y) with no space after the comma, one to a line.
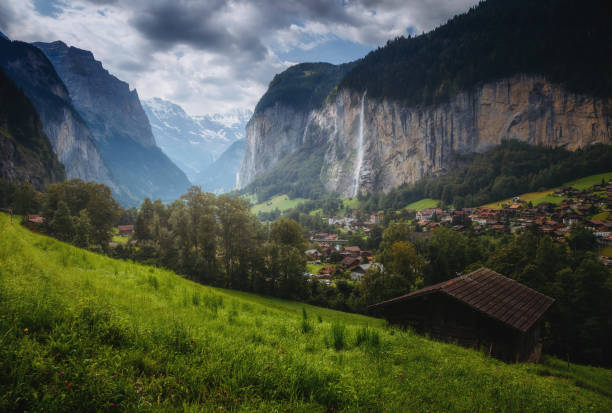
(535,72)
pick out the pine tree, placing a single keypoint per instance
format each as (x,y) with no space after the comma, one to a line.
(61,225)
(83,230)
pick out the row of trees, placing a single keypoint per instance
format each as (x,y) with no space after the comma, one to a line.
(216,240)
(509,169)
(83,213)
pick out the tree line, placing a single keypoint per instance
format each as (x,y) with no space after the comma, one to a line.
(216,240)
(568,42)
(509,169)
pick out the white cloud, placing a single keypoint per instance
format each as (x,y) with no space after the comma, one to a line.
(216,55)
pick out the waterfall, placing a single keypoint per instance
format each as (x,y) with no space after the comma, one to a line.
(359,149)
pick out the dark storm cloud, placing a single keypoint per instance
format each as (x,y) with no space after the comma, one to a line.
(218,26)
(198,25)
(203,25)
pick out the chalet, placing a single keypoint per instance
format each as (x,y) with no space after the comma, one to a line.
(377,218)
(326,271)
(358,272)
(349,262)
(482,309)
(125,230)
(35,219)
(352,251)
(428,214)
(314,254)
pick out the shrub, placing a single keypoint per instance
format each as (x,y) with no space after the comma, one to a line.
(306,326)
(338,336)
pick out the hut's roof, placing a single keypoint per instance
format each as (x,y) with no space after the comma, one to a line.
(499,297)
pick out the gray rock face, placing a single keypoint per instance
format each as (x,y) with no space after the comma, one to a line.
(70,137)
(119,126)
(278,131)
(403,144)
(106,103)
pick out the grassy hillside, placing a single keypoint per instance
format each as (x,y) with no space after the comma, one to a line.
(83,332)
(280,202)
(547,196)
(423,204)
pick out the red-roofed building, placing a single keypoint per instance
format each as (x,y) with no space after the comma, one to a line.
(125,230)
(482,309)
(35,219)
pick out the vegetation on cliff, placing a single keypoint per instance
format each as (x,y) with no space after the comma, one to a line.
(568,42)
(303,87)
(509,169)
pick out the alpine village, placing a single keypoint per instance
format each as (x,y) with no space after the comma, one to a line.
(357,206)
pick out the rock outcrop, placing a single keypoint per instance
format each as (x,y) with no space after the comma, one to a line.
(26,154)
(402,144)
(70,137)
(119,126)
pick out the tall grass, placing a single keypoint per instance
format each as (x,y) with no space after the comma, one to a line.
(82,332)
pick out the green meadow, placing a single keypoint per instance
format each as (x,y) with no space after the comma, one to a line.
(83,332)
(423,204)
(537,198)
(280,202)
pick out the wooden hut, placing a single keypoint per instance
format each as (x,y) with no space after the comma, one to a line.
(482,309)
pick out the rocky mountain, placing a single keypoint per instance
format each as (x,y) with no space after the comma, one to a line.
(119,126)
(193,143)
(504,70)
(221,176)
(70,137)
(25,151)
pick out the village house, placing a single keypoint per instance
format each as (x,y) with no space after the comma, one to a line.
(35,218)
(377,218)
(428,214)
(358,272)
(313,254)
(125,230)
(482,310)
(352,251)
(350,262)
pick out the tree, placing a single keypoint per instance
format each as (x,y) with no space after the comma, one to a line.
(61,225)
(406,262)
(581,239)
(144,222)
(82,230)
(26,199)
(287,232)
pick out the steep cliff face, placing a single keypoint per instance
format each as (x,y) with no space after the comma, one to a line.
(272,134)
(25,151)
(100,96)
(70,137)
(533,71)
(119,126)
(401,144)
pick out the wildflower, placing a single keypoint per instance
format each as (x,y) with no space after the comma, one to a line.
(112,404)
(52,388)
(25,330)
(61,373)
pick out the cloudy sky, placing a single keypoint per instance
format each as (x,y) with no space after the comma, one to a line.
(216,55)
